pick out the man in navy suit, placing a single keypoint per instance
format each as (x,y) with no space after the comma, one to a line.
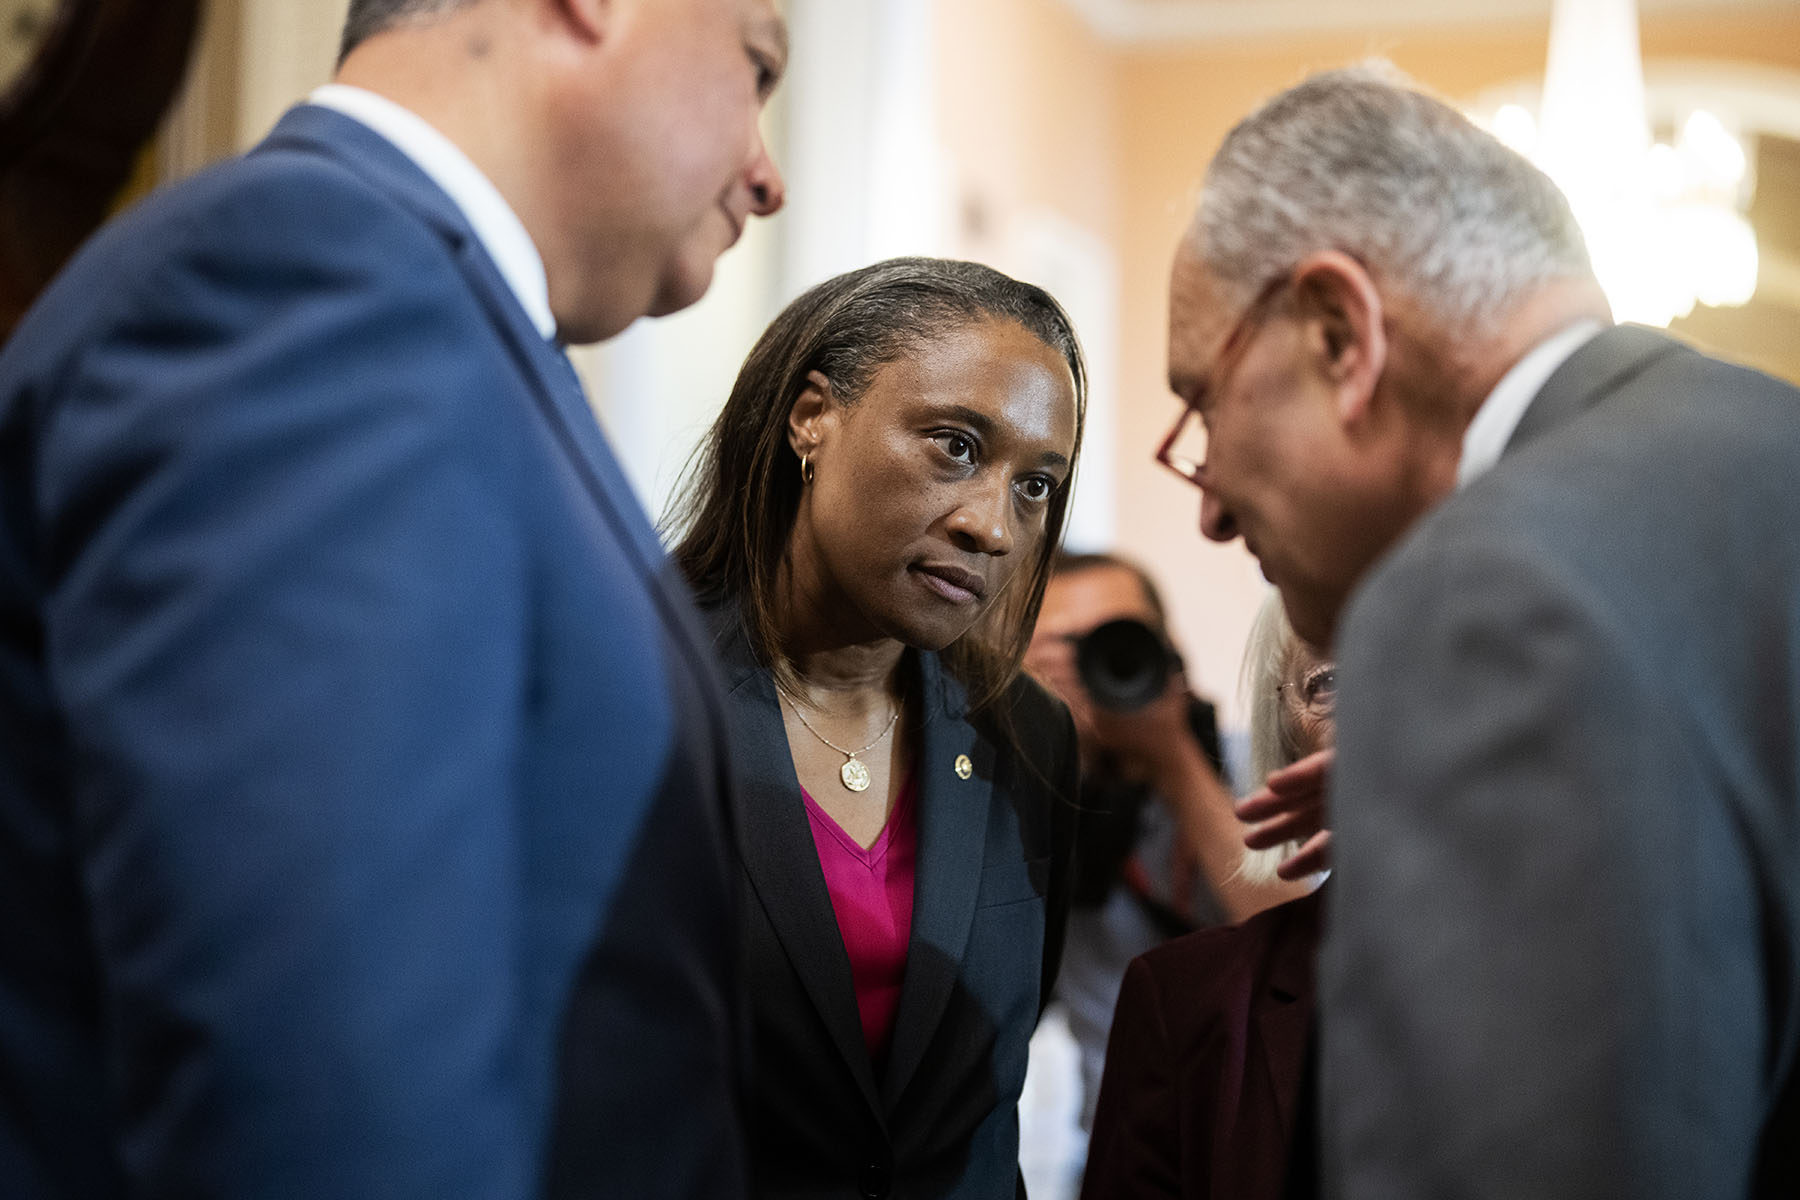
(1557,560)
(361,787)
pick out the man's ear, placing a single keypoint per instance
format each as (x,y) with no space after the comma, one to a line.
(809,414)
(1342,307)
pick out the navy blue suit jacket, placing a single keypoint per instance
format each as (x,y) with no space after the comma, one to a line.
(362,787)
(940,1118)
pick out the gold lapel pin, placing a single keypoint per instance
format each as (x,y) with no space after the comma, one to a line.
(964,768)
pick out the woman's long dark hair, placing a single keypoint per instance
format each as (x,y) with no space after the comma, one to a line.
(741,491)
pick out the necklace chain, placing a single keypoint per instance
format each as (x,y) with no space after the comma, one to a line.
(885,730)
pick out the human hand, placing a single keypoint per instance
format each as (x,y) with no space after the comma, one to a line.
(1150,744)
(1137,744)
(1290,807)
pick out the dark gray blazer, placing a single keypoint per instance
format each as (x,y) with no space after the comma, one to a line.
(1563,945)
(988,914)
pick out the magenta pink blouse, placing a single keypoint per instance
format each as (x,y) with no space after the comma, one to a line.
(872,894)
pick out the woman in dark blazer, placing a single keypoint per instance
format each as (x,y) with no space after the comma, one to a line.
(869,525)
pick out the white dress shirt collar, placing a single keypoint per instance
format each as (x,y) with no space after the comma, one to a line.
(1505,406)
(499,229)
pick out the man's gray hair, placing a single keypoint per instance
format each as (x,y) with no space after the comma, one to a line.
(370,17)
(1360,160)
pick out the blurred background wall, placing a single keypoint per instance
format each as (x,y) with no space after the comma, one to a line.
(1063,140)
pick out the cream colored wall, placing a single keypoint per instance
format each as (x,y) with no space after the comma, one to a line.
(289,49)
(1174,107)
(253,59)
(1026,119)
(1028,114)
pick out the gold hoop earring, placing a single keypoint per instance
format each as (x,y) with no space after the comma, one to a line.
(806,469)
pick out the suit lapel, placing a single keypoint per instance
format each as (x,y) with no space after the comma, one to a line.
(559,396)
(1593,372)
(953,817)
(1282,1006)
(554,386)
(779,856)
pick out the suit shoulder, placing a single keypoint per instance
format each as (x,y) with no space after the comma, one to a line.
(266,223)
(278,202)
(1204,960)
(265,268)
(1028,699)
(1232,958)
(1690,421)
(1686,462)
(1040,721)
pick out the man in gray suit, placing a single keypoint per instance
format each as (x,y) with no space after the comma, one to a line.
(1559,562)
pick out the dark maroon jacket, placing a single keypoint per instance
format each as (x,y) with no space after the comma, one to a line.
(1204,1063)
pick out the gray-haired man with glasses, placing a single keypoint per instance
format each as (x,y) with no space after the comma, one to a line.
(1556,560)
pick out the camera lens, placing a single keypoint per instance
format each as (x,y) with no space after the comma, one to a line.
(1123,664)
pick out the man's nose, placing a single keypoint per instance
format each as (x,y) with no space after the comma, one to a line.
(1216,521)
(767,189)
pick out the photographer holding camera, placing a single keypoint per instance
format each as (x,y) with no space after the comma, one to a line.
(1158,848)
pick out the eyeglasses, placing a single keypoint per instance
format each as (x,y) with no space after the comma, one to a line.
(1189,460)
(1316,692)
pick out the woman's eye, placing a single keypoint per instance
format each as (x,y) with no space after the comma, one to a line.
(1036,488)
(1321,685)
(959,447)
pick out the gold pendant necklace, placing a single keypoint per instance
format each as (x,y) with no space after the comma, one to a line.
(854,775)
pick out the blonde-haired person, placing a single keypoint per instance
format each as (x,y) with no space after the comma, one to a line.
(1203,1072)
(1289,691)
(1159,852)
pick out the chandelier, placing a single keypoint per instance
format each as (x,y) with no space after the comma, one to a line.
(1664,222)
